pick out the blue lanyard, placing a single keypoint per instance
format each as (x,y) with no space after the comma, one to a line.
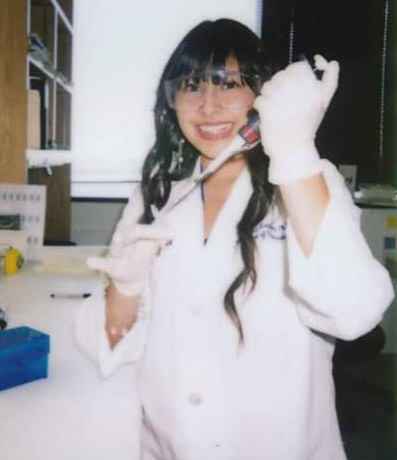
(202,185)
(202,196)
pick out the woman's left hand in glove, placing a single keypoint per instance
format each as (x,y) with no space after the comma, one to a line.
(131,255)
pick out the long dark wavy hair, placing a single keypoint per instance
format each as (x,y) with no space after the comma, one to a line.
(209,45)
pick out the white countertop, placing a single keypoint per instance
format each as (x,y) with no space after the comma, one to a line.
(73,414)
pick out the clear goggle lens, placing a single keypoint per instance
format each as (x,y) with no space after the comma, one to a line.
(229,88)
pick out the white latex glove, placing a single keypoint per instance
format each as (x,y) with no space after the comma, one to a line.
(131,255)
(291,107)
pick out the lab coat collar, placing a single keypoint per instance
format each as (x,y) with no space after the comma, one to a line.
(209,267)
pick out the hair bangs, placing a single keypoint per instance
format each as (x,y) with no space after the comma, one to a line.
(211,45)
(202,52)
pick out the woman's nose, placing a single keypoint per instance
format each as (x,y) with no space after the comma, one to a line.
(210,101)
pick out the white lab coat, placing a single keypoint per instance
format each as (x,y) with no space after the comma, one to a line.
(204,396)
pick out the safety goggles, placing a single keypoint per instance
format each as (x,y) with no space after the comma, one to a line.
(228,88)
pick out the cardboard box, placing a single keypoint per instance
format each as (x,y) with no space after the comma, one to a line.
(34,140)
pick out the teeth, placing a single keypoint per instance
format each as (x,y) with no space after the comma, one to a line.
(215,129)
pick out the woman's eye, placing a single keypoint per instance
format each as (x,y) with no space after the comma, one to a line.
(190,87)
(231,84)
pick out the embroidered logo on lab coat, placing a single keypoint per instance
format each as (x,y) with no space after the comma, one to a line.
(274,231)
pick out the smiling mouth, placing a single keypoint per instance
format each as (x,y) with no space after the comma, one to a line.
(215,131)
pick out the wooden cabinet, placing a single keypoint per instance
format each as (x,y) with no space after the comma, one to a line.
(50,36)
(36,55)
(13,95)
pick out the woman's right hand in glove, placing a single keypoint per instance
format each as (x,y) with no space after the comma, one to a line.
(131,255)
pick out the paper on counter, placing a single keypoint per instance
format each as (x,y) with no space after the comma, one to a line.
(68,260)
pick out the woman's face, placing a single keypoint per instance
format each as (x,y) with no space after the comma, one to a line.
(218,111)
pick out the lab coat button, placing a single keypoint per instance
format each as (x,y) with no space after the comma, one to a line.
(195,399)
(196,310)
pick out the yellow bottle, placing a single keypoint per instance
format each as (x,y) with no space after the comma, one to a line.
(13,261)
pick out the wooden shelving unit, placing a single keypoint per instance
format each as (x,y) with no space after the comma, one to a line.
(49,71)
(36,43)
(50,35)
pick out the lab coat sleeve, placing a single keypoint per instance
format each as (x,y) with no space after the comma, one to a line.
(340,288)
(90,322)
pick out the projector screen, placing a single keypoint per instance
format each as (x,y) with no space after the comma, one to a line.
(120,49)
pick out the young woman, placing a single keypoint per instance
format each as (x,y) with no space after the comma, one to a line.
(230,299)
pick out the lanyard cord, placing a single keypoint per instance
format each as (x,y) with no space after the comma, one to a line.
(202,184)
(202,197)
